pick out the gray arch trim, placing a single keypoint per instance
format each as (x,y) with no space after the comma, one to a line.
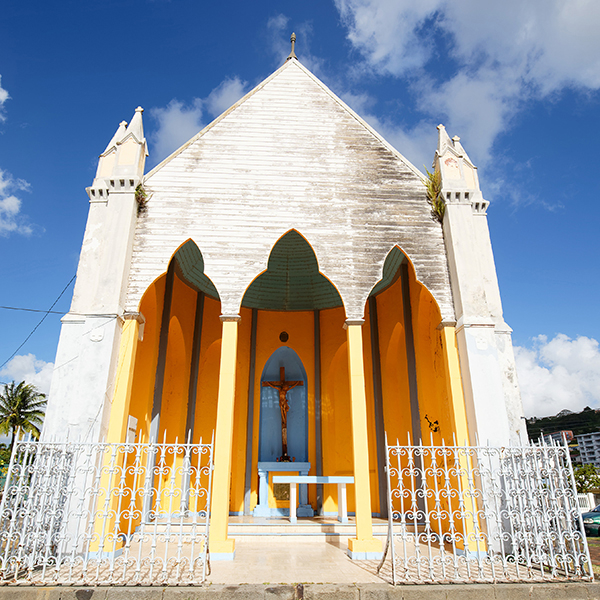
(292,280)
(189,266)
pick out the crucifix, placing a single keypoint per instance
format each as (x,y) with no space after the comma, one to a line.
(283,387)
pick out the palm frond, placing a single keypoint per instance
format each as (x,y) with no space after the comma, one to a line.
(21,407)
(433,185)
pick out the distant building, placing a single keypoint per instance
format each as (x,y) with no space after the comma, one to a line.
(557,436)
(589,448)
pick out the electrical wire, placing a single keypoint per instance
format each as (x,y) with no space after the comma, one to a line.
(35,310)
(46,313)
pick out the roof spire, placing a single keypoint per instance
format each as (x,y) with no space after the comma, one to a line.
(119,135)
(292,53)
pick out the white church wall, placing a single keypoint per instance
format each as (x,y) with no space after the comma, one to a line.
(503,338)
(82,382)
(485,348)
(289,155)
(88,348)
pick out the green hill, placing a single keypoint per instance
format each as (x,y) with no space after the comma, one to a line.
(586,421)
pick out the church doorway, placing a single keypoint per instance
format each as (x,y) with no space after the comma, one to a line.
(293,318)
(283,367)
(283,446)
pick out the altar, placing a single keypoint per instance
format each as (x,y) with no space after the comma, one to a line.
(267,503)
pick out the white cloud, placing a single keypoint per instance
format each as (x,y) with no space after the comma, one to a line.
(557,374)
(414,143)
(178,122)
(3,98)
(280,31)
(225,95)
(28,368)
(11,220)
(387,32)
(277,27)
(503,54)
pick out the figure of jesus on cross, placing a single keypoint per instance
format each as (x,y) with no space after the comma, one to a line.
(283,387)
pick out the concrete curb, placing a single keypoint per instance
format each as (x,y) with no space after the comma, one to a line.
(374,591)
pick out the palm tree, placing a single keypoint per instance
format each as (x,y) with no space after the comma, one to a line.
(21,407)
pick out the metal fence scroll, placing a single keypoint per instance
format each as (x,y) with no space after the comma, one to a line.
(484,514)
(122,514)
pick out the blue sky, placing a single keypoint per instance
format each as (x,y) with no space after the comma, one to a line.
(518,82)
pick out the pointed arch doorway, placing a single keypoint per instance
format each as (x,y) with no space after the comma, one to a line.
(290,302)
(270,442)
(283,431)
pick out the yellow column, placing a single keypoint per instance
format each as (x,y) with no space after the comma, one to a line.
(364,546)
(458,411)
(222,547)
(119,411)
(454,382)
(106,527)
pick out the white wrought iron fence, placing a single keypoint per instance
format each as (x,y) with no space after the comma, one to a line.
(126,514)
(480,513)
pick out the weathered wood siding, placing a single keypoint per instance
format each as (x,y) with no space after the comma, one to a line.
(289,155)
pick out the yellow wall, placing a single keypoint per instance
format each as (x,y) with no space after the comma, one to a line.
(394,372)
(335,402)
(371,426)
(431,369)
(240,412)
(147,355)
(205,417)
(178,363)
(335,393)
(300,328)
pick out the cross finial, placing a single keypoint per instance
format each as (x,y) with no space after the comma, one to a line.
(292,53)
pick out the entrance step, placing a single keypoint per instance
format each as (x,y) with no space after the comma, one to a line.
(310,527)
(327,528)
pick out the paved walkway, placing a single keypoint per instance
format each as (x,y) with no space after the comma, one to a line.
(275,560)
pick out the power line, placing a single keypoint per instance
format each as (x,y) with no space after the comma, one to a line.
(35,310)
(49,311)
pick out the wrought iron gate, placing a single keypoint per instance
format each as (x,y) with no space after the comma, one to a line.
(480,513)
(123,514)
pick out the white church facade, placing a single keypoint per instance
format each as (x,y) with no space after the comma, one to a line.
(286,243)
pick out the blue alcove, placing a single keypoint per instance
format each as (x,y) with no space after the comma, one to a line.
(269,445)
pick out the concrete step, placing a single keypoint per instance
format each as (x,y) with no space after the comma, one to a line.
(247,527)
(300,529)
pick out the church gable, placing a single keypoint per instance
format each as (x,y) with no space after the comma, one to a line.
(289,155)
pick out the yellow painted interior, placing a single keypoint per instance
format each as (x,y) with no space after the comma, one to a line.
(147,355)
(208,373)
(335,407)
(300,328)
(438,378)
(178,363)
(370,407)
(394,371)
